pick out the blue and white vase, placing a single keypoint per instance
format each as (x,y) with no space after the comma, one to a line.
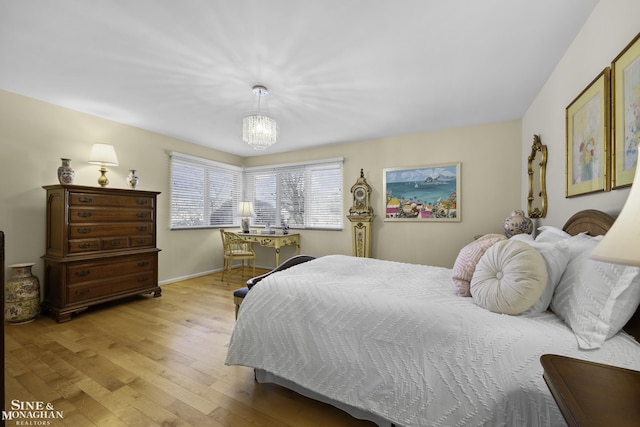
(132,179)
(517,223)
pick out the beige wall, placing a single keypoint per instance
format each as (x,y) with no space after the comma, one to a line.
(491,178)
(34,135)
(612,25)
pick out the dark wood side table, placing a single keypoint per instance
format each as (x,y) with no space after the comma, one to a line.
(593,394)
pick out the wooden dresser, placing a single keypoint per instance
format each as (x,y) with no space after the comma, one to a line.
(101,246)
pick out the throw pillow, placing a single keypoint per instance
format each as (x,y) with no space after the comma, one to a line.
(510,277)
(467,259)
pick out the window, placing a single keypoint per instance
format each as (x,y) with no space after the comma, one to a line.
(204,193)
(301,195)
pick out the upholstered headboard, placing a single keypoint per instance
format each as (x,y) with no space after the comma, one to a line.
(597,223)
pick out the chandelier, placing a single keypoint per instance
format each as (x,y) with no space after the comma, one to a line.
(258,129)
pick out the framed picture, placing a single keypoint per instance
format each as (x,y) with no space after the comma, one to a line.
(422,194)
(588,139)
(625,75)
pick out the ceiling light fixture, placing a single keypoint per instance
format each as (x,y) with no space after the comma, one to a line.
(259,129)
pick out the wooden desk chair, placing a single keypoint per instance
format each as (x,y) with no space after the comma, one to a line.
(237,248)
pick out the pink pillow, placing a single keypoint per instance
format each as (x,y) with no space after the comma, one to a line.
(467,260)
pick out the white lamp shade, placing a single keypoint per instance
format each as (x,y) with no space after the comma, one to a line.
(103,154)
(621,244)
(245,209)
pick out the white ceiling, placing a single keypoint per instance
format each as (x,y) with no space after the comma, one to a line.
(337,70)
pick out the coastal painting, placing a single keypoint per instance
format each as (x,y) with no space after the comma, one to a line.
(423,194)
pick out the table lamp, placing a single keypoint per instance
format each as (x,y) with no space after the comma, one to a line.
(103,155)
(621,244)
(245,210)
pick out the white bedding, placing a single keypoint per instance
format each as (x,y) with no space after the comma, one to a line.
(394,340)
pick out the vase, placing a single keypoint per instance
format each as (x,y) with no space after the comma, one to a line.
(65,172)
(22,295)
(517,223)
(132,179)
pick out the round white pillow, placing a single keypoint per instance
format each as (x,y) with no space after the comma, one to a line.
(509,278)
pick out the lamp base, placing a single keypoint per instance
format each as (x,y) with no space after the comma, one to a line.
(102,180)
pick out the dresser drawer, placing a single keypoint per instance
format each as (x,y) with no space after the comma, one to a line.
(141,241)
(79,246)
(95,271)
(84,245)
(84,231)
(120,201)
(79,214)
(110,287)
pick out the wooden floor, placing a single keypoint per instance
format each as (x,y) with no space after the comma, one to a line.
(152,361)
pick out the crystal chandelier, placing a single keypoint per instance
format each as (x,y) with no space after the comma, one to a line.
(258,129)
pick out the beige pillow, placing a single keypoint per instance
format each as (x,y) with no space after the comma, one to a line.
(467,259)
(509,278)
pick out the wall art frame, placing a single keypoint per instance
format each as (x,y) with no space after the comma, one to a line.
(588,138)
(625,93)
(423,193)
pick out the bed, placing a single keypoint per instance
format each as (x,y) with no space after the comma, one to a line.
(396,344)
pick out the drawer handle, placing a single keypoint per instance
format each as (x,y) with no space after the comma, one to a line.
(142,214)
(143,279)
(84,214)
(85,199)
(84,245)
(84,230)
(143,263)
(142,241)
(83,273)
(115,243)
(143,201)
(81,292)
(141,228)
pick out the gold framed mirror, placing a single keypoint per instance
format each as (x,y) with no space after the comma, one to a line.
(537,200)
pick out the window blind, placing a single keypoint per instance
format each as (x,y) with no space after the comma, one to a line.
(204,193)
(300,195)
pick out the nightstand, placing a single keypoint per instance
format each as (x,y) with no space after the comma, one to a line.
(593,394)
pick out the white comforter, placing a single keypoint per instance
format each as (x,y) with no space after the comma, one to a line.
(394,340)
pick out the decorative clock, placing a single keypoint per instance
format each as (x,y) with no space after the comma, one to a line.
(361,197)
(361,217)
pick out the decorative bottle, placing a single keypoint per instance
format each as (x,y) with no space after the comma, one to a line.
(65,172)
(22,295)
(132,179)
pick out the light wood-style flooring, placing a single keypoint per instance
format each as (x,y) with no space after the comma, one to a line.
(152,362)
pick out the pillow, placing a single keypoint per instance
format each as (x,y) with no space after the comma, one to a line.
(556,257)
(551,234)
(523,237)
(467,259)
(596,299)
(509,278)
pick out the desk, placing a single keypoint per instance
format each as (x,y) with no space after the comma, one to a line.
(273,241)
(593,394)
